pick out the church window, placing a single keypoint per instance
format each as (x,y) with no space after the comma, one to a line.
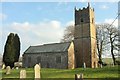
(48,65)
(58,59)
(38,59)
(29,61)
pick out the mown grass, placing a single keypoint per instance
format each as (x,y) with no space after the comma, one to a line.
(110,60)
(106,72)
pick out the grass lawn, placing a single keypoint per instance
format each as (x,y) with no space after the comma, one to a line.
(106,72)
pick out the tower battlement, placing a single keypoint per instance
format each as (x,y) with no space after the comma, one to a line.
(84,8)
(84,15)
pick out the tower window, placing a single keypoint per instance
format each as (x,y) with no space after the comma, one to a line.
(92,20)
(94,64)
(81,19)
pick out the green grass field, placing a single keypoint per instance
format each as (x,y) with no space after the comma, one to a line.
(106,72)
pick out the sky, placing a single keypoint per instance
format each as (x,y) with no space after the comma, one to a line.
(39,23)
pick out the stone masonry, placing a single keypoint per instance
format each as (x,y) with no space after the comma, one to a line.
(85,37)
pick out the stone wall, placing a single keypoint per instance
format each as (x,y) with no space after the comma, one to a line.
(85,38)
(71,57)
(46,60)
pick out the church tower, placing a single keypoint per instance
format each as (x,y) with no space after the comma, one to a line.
(85,38)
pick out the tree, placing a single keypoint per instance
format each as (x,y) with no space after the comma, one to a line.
(17,46)
(106,35)
(68,34)
(11,50)
(113,40)
(101,38)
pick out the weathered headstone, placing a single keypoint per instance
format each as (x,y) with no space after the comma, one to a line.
(84,65)
(8,70)
(37,72)
(3,66)
(79,76)
(22,74)
(18,64)
(17,67)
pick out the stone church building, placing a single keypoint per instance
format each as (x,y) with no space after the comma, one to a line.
(57,55)
(69,54)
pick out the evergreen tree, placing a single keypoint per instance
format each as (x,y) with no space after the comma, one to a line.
(17,47)
(11,50)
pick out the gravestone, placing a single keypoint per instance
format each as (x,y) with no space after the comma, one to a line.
(3,66)
(22,74)
(84,65)
(18,64)
(8,70)
(37,72)
(79,76)
(17,67)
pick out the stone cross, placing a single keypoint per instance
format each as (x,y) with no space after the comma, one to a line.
(37,72)
(22,74)
(8,70)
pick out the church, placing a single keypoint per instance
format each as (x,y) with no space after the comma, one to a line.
(68,55)
(56,55)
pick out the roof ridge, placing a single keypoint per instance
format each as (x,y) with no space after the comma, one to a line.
(50,44)
(54,47)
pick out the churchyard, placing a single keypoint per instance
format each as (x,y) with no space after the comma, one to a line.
(78,55)
(65,74)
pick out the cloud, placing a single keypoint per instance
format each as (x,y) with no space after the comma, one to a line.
(109,21)
(104,7)
(21,26)
(3,16)
(70,23)
(83,0)
(62,3)
(35,34)
(50,31)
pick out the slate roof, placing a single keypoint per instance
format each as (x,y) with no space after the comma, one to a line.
(55,47)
